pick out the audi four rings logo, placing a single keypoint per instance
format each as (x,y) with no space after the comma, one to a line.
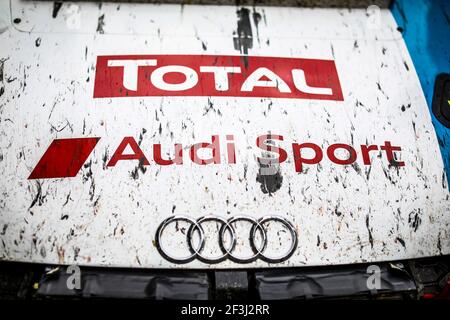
(227,230)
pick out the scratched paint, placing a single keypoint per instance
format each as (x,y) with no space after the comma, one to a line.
(108,216)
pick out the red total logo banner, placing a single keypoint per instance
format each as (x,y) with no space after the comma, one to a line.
(209,75)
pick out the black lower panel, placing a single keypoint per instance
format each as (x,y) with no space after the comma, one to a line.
(408,279)
(335,283)
(136,284)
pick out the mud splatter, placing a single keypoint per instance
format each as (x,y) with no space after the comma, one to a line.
(38,198)
(2,88)
(140,167)
(88,175)
(414,219)
(256,19)
(439,245)
(369,231)
(56,7)
(381,90)
(269,174)
(5,226)
(243,39)
(270,183)
(67,200)
(401,241)
(403,107)
(101,24)
(406,65)
(105,159)
(356,167)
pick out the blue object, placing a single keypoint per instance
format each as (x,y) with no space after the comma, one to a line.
(425,25)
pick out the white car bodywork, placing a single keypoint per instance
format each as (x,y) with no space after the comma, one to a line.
(108,216)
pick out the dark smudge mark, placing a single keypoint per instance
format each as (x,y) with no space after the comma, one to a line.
(141,136)
(402,242)
(406,65)
(388,176)
(61,128)
(56,7)
(92,190)
(38,42)
(38,198)
(368,172)
(89,176)
(381,90)
(2,62)
(444,180)
(43,252)
(211,107)
(101,24)
(243,39)
(135,173)
(270,183)
(356,167)
(402,14)
(414,219)
(370,232)
(441,142)
(414,128)
(439,245)
(67,200)
(2,88)
(105,159)
(337,211)
(256,19)
(140,167)
(5,226)
(95,204)
(269,174)
(393,165)
(359,104)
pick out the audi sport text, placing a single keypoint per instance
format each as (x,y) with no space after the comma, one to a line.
(64,157)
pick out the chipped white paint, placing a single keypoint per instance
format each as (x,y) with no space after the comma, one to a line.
(103,216)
